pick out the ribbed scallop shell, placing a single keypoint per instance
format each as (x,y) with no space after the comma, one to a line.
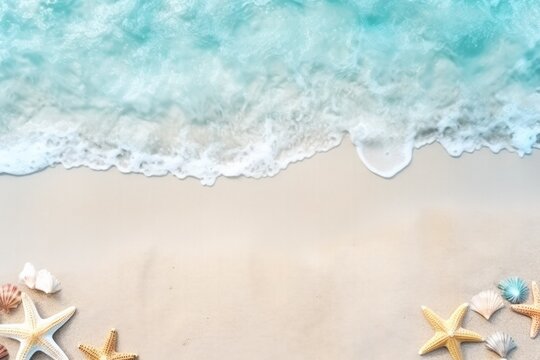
(514,289)
(500,343)
(486,303)
(10,298)
(3,352)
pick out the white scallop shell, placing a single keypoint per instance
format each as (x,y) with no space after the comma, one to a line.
(28,275)
(500,343)
(487,303)
(46,282)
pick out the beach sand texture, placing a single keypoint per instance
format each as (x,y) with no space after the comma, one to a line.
(325,261)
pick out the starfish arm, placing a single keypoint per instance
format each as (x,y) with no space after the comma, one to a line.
(26,350)
(31,316)
(14,331)
(456,319)
(468,335)
(454,349)
(91,352)
(433,319)
(528,310)
(51,348)
(110,344)
(535,292)
(124,356)
(532,311)
(535,326)
(436,342)
(53,323)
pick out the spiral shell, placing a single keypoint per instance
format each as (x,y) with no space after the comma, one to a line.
(3,351)
(514,290)
(10,298)
(487,303)
(500,343)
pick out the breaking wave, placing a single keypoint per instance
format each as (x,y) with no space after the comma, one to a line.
(206,88)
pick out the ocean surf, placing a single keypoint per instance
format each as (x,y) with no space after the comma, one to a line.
(215,88)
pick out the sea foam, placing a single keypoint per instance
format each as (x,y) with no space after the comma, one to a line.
(206,88)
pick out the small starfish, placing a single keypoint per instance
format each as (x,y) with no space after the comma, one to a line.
(448,333)
(36,334)
(531,310)
(108,351)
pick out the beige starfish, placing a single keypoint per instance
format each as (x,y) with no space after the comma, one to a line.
(531,310)
(36,334)
(108,351)
(448,333)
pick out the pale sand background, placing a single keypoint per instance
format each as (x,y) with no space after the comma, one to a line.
(324,261)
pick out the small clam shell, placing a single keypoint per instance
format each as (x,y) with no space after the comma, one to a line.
(3,351)
(486,303)
(10,298)
(514,290)
(28,275)
(46,282)
(500,343)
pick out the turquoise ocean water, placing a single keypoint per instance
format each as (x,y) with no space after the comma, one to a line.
(206,88)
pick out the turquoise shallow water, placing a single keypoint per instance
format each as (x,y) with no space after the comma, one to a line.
(222,87)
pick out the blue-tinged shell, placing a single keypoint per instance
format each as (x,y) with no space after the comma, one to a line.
(514,290)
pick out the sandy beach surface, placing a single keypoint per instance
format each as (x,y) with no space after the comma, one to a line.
(325,261)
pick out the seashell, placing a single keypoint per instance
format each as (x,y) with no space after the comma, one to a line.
(10,298)
(486,303)
(500,343)
(28,275)
(514,290)
(46,282)
(41,280)
(3,351)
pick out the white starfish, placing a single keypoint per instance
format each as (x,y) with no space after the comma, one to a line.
(36,334)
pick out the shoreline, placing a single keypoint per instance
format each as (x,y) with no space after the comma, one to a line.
(363,153)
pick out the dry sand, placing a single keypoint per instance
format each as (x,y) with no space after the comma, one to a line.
(325,261)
